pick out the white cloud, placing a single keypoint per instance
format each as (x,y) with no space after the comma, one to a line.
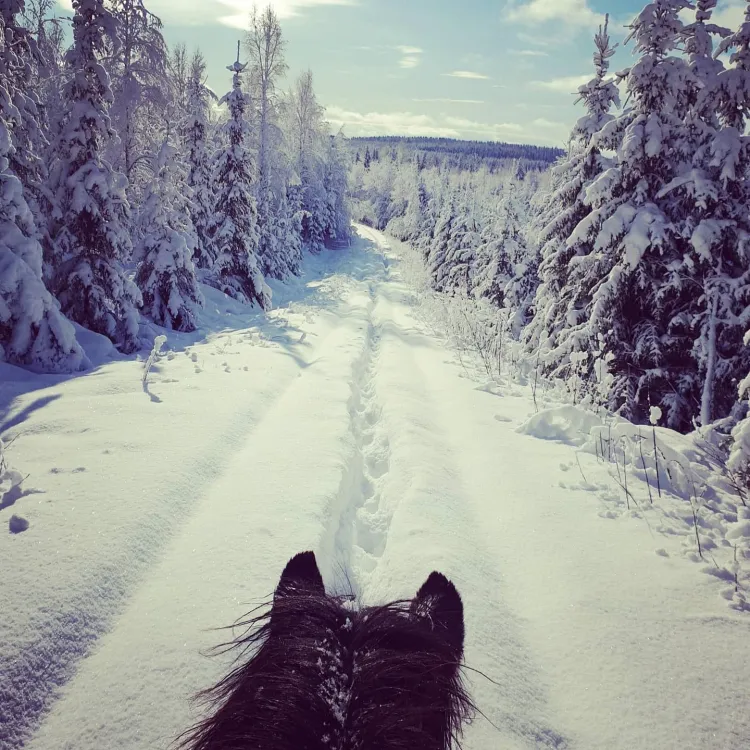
(534,39)
(467,74)
(572,12)
(564,85)
(284,8)
(229,12)
(410,56)
(442,100)
(388,123)
(530,53)
(444,125)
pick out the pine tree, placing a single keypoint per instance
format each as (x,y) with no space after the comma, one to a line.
(713,196)
(21,58)
(335,183)
(367,161)
(639,310)
(33,332)
(165,275)
(236,270)
(563,300)
(199,179)
(501,254)
(288,229)
(88,232)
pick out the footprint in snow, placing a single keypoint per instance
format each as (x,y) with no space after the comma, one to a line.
(502,418)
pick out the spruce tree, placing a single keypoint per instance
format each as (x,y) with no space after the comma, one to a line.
(640,309)
(20,61)
(502,255)
(199,179)
(563,299)
(33,332)
(165,275)
(714,196)
(236,269)
(88,232)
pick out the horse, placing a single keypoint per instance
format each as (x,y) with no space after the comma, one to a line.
(319,672)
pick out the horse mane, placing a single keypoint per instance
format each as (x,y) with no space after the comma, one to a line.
(315,672)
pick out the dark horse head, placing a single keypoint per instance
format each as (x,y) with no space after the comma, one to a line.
(317,673)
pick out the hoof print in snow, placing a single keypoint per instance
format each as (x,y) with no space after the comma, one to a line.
(501,418)
(662,552)
(16,524)
(79,469)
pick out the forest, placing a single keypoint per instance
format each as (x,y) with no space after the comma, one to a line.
(623,272)
(618,268)
(127,182)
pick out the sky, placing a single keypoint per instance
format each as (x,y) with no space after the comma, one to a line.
(476,69)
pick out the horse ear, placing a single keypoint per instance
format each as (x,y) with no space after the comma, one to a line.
(300,576)
(439,601)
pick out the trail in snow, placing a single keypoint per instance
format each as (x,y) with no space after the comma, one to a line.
(369,446)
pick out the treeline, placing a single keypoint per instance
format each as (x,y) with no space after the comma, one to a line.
(126,182)
(457,154)
(473,227)
(635,276)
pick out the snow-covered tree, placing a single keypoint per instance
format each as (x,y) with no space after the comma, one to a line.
(49,74)
(33,332)
(502,254)
(563,298)
(236,269)
(178,73)
(715,196)
(335,183)
(640,307)
(199,177)
(88,233)
(165,275)
(304,127)
(20,59)
(137,64)
(739,455)
(265,46)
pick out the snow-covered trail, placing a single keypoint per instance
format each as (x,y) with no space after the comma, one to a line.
(364,441)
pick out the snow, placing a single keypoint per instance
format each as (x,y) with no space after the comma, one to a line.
(343,422)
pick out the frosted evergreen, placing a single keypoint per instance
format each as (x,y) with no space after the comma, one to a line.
(236,270)
(89,228)
(165,275)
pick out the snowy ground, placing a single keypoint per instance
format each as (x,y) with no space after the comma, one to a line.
(341,424)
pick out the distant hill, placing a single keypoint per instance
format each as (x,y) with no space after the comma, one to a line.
(463,154)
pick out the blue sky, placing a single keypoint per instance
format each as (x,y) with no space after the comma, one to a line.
(477,69)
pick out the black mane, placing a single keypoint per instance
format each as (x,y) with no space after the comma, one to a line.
(315,672)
